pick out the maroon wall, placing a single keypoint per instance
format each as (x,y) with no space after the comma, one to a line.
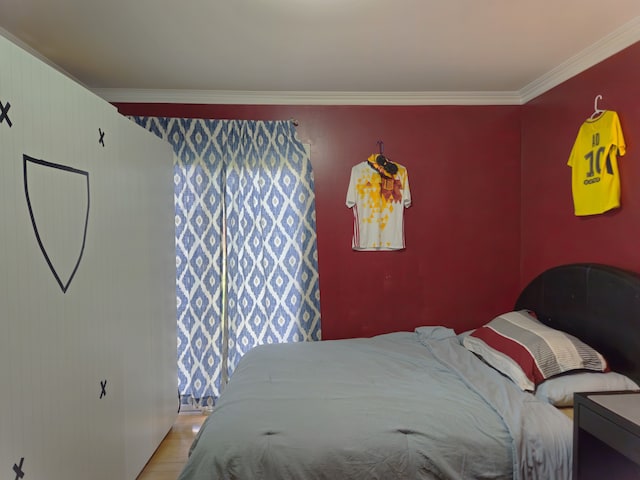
(551,234)
(461,264)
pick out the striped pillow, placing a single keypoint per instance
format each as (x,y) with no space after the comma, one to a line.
(529,352)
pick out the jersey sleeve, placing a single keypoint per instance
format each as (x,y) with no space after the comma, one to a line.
(574,148)
(617,137)
(351,191)
(406,193)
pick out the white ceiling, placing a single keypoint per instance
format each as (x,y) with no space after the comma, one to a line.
(402,49)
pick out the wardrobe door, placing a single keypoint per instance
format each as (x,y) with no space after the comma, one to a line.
(99,294)
(87,281)
(55,293)
(148,302)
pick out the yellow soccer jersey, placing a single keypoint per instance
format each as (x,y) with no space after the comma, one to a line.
(595,179)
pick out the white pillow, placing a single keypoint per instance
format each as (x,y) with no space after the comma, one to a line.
(559,390)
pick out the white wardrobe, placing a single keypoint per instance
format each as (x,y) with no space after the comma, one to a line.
(88,376)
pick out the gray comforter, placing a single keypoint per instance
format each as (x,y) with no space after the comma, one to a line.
(406,405)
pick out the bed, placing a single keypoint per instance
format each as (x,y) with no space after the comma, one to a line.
(425,404)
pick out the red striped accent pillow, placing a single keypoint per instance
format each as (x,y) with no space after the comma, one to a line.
(527,351)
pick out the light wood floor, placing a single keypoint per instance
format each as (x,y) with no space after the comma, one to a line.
(171,455)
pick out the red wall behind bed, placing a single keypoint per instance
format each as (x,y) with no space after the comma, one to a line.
(551,234)
(461,265)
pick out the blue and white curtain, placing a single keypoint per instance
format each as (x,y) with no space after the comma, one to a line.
(246,255)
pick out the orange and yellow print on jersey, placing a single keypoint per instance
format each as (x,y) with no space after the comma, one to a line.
(378,197)
(595,179)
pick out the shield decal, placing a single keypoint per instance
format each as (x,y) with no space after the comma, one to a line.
(58,200)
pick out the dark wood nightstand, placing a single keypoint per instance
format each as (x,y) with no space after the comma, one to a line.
(606,435)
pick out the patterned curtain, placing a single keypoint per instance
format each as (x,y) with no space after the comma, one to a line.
(246,256)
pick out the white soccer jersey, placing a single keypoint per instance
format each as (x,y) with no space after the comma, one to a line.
(378,200)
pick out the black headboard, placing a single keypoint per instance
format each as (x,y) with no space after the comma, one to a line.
(599,304)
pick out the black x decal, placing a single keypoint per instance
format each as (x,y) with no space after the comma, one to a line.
(103,386)
(4,115)
(18,469)
(101,141)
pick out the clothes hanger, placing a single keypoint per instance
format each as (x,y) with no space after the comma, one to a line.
(383,162)
(596,110)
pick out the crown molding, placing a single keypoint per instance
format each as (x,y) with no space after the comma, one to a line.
(307,98)
(611,44)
